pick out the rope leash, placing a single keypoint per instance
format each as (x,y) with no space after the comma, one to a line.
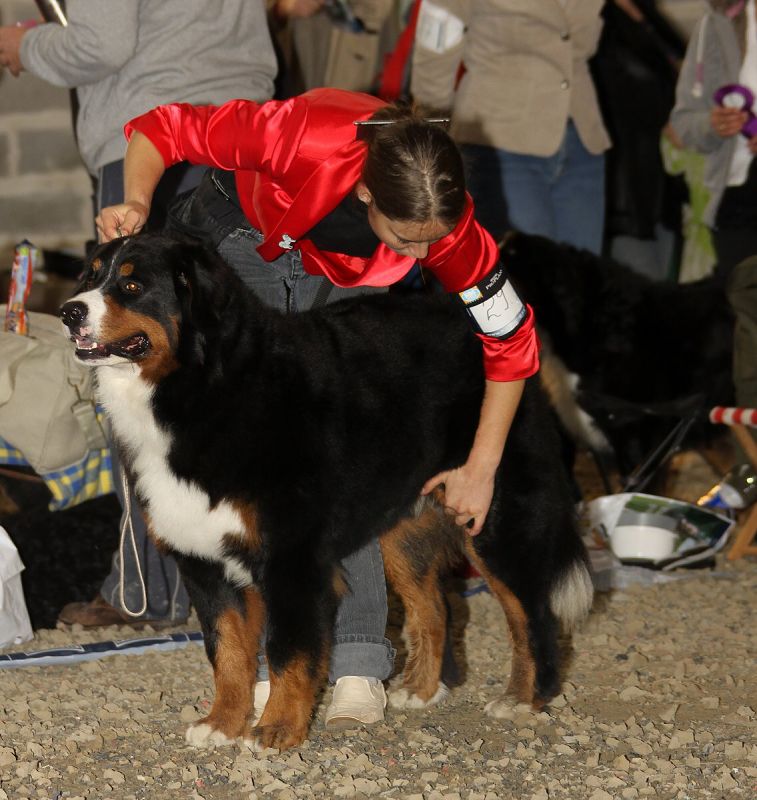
(126,525)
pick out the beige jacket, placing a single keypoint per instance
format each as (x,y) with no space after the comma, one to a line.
(526,71)
(320,52)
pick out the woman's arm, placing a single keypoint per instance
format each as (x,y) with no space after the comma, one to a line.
(469,488)
(143,168)
(99,39)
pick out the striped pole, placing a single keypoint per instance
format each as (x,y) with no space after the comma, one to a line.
(725,415)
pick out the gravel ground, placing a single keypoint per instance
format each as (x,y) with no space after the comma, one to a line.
(660,701)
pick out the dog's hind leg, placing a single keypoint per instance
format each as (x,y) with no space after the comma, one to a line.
(231,620)
(416,554)
(534,674)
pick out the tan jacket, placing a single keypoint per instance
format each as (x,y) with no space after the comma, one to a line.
(526,71)
(320,52)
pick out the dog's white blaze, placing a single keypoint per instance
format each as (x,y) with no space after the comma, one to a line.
(96,310)
(179,510)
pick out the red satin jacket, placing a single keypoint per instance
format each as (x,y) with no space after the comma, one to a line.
(295,161)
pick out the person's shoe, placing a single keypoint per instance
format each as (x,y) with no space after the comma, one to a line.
(98,613)
(262,693)
(356,701)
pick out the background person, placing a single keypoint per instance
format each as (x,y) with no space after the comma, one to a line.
(722,50)
(524,110)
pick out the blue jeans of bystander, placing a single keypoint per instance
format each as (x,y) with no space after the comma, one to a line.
(559,196)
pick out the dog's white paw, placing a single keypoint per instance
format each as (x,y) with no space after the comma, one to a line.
(401,698)
(203,735)
(254,745)
(504,708)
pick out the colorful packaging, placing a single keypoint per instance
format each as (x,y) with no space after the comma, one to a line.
(24,261)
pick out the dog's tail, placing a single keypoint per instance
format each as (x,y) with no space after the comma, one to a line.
(572,594)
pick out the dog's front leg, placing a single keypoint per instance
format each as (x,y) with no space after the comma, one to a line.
(231,620)
(301,601)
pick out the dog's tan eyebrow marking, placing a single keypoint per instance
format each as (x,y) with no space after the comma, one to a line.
(97,265)
(126,269)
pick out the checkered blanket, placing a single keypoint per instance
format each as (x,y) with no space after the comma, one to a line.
(89,478)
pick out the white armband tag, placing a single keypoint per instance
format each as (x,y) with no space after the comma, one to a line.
(494,306)
(438,29)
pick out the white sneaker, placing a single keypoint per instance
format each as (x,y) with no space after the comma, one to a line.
(356,701)
(262,693)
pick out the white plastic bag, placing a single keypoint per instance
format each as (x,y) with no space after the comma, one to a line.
(15,626)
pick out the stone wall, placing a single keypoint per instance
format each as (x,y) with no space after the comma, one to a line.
(45,191)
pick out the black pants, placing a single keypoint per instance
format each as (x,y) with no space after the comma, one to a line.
(735,233)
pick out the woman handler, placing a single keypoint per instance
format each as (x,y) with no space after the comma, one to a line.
(322,196)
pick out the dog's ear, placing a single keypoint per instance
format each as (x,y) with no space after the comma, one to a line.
(203,295)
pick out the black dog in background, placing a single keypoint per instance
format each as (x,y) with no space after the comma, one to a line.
(639,353)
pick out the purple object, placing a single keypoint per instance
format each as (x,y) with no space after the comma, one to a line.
(749,129)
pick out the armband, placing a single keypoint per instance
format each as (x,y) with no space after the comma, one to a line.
(493,305)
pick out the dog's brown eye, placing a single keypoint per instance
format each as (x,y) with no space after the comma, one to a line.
(131,287)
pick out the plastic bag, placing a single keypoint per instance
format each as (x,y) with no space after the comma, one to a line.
(15,626)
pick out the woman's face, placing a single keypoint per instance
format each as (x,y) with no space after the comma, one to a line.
(406,238)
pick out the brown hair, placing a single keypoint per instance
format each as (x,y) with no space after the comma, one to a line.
(413,169)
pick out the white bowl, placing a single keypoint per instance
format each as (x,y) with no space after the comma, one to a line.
(643,542)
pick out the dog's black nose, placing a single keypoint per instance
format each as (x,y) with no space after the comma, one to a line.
(73,313)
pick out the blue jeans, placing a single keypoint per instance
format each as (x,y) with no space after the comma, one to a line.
(561,196)
(359,646)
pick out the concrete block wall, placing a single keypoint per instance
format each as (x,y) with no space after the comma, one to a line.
(45,191)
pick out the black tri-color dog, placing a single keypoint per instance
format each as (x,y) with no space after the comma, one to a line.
(265,448)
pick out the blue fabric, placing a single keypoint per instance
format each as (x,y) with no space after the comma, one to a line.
(85,480)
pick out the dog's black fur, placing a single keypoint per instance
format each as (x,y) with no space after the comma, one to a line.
(320,429)
(648,344)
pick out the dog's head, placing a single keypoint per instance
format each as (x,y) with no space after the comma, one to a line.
(149,300)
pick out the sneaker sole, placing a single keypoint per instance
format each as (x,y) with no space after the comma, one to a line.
(344,723)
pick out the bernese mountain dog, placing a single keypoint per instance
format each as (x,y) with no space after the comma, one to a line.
(638,355)
(265,448)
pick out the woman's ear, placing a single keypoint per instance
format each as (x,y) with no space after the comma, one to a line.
(363,195)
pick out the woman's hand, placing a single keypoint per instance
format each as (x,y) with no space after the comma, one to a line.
(286,9)
(469,489)
(727,122)
(121,220)
(467,495)
(10,48)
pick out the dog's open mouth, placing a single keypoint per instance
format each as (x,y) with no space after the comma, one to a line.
(130,347)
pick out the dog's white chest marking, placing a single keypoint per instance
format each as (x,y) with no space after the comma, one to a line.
(179,510)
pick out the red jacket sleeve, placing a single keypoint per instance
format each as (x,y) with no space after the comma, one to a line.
(240,134)
(460,260)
